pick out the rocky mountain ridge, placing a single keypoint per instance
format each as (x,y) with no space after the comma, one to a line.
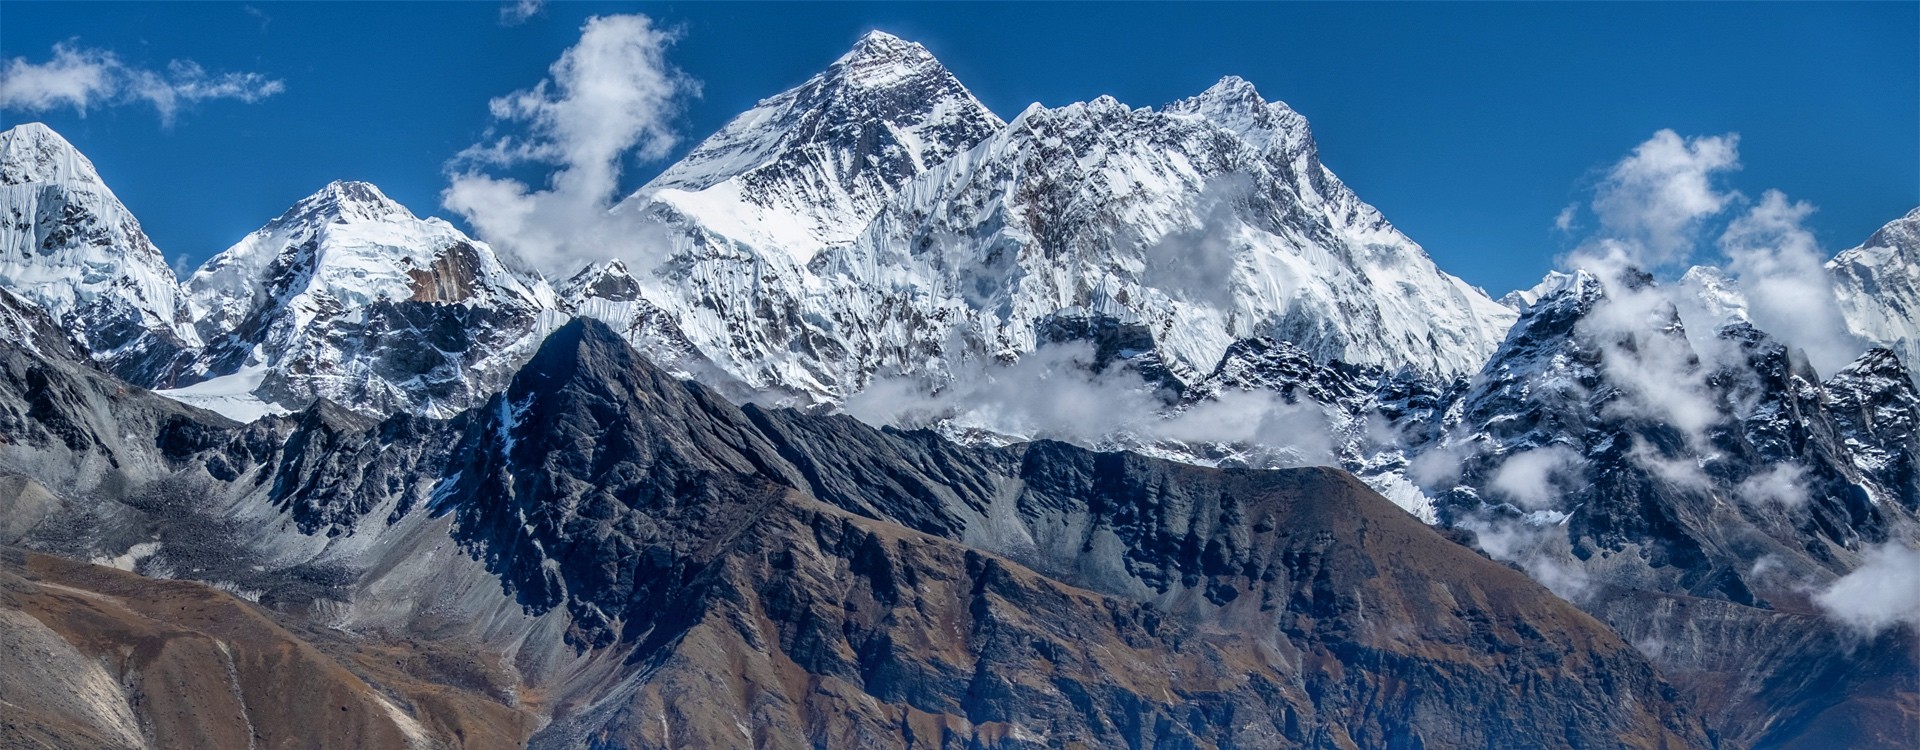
(679,567)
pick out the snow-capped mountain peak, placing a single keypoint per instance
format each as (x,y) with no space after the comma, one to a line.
(1877,286)
(878,220)
(343,296)
(880,60)
(343,201)
(807,168)
(1233,103)
(33,152)
(68,245)
(351,244)
(1902,234)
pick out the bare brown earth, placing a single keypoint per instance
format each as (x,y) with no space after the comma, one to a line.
(97,657)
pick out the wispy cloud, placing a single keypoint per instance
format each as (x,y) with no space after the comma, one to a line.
(1054,393)
(520,11)
(84,78)
(1883,592)
(1782,271)
(1538,478)
(258,15)
(1563,221)
(1540,548)
(611,96)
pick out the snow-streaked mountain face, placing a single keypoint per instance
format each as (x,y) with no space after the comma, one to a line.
(350,297)
(878,221)
(68,245)
(1639,473)
(1878,287)
(744,213)
(808,168)
(1208,221)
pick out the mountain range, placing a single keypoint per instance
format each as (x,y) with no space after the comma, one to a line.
(1179,443)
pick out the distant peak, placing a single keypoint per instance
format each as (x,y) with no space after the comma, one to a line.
(881,60)
(608,280)
(878,43)
(1229,95)
(33,152)
(1233,87)
(347,200)
(1877,361)
(877,36)
(1902,233)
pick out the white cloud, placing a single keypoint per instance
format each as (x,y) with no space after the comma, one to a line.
(1197,264)
(1049,393)
(1438,466)
(520,11)
(83,78)
(1783,484)
(610,96)
(1538,478)
(1563,221)
(258,15)
(1653,201)
(1883,592)
(1644,348)
(1540,549)
(1683,472)
(1053,393)
(1782,271)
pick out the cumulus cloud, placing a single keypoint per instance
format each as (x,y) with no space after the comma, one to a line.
(1653,201)
(520,11)
(610,97)
(1538,478)
(83,78)
(1780,268)
(1883,592)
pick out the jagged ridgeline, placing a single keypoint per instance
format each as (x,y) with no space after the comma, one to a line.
(605,551)
(475,507)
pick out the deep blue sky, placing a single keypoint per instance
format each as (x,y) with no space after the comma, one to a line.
(1469,125)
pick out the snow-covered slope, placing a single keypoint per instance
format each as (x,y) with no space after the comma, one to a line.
(68,245)
(745,212)
(809,167)
(1210,221)
(879,221)
(1878,287)
(350,297)
(1688,494)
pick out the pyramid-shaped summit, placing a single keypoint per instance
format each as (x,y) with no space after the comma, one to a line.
(75,251)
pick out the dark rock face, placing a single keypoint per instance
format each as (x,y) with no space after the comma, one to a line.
(878,586)
(819,581)
(30,328)
(1115,343)
(337,467)
(1701,539)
